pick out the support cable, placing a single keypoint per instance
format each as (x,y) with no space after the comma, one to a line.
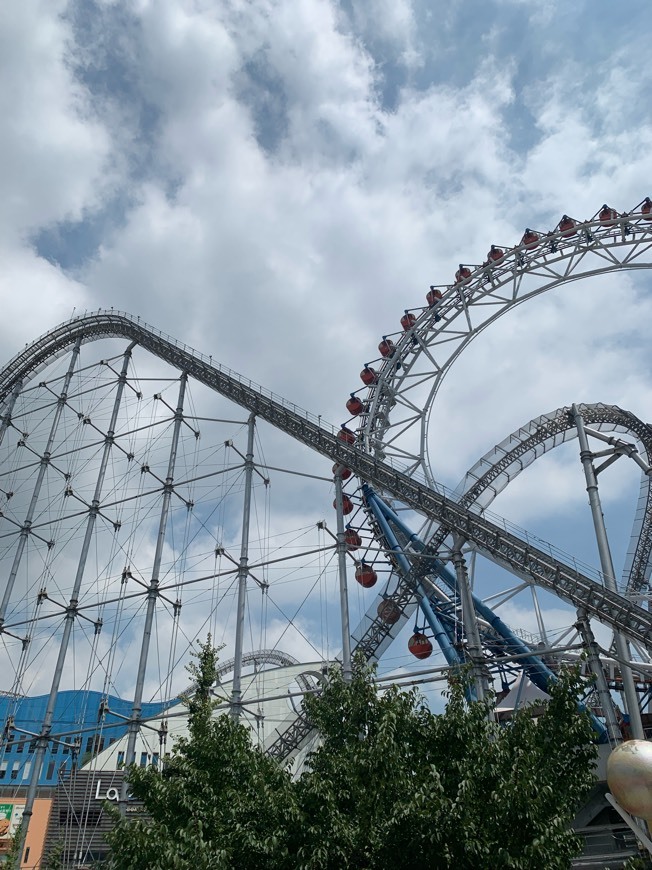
(71,610)
(152,593)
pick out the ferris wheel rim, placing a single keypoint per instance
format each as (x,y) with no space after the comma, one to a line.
(435,323)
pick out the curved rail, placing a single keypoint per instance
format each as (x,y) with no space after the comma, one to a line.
(256,658)
(408,381)
(494,471)
(489,476)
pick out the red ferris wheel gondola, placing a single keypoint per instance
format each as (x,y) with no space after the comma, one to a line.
(343,472)
(567,226)
(369,376)
(389,611)
(607,215)
(354,405)
(365,575)
(347,505)
(530,239)
(408,320)
(420,646)
(433,296)
(346,435)
(463,275)
(352,539)
(495,255)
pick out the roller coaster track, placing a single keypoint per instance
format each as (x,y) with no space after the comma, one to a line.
(481,484)
(497,542)
(490,475)
(522,557)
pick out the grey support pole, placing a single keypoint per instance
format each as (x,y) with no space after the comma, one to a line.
(152,594)
(344,593)
(243,573)
(606,562)
(606,701)
(5,418)
(71,611)
(45,461)
(470,619)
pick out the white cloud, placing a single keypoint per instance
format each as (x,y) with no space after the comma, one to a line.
(53,152)
(280,216)
(35,296)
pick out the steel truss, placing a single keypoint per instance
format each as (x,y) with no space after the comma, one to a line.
(519,554)
(491,474)
(525,557)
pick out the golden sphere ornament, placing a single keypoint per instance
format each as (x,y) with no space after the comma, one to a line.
(629,776)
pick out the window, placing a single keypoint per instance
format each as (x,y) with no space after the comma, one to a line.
(87,816)
(143,759)
(26,770)
(14,770)
(32,745)
(3,769)
(20,745)
(121,759)
(51,766)
(155,759)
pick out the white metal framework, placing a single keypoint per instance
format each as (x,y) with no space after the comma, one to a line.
(88,459)
(399,403)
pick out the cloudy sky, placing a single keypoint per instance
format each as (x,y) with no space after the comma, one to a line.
(275,181)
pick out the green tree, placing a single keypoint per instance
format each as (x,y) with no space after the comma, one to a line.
(12,858)
(390,786)
(400,787)
(218,803)
(54,860)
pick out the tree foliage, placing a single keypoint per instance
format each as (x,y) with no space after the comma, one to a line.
(391,785)
(218,803)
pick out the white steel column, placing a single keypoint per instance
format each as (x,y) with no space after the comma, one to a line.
(469,619)
(153,593)
(344,592)
(243,573)
(606,701)
(5,418)
(606,562)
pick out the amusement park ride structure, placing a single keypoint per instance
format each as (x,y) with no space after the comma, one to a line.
(382,474)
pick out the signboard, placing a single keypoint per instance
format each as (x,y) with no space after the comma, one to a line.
(10,818)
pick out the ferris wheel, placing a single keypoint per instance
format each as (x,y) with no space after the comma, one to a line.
(401,385)
(389,421)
